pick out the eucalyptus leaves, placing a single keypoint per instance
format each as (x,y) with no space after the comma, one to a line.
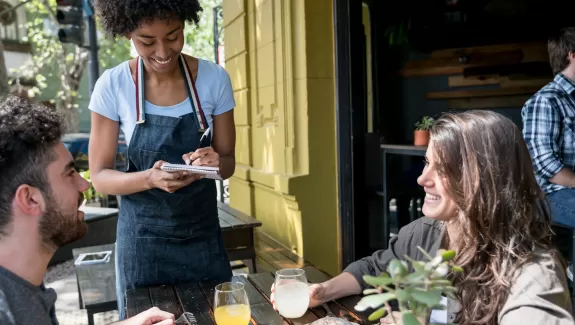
(417,293)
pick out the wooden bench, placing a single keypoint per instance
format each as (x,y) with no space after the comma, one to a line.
(96,282)
(238,235)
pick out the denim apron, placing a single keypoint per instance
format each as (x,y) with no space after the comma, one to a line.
(168,238)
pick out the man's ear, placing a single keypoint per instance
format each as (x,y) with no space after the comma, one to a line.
(29,200)
(571,57)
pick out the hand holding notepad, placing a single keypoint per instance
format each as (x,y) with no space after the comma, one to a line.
(208,172)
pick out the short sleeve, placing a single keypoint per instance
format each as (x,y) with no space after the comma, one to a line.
(225,95)
(103,100)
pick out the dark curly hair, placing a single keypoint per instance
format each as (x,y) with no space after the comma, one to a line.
(28,134)
(120,17)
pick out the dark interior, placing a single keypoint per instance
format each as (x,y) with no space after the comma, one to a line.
(426,57)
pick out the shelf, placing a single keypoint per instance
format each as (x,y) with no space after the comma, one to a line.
(452,64)
(454,94)
(489,102)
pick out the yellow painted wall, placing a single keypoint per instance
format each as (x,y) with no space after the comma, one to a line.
(280,56)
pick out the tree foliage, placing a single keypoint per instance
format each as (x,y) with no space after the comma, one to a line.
(52,59)
(68,62)
(200,39)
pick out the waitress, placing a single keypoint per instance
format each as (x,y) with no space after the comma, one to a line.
(163,101)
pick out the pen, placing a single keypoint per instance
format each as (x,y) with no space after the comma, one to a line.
(201,144)
(204,136)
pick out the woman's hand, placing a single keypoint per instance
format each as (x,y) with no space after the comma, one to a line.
(317,295)
(203,157)
(169,181)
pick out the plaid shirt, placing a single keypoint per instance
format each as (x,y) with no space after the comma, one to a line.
(549,130)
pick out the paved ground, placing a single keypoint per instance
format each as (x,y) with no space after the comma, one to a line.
(62,278)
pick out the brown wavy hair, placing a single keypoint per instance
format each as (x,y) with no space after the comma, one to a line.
(503,214)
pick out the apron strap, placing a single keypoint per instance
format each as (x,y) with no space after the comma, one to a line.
(193,94)
(140,114)
(190,86)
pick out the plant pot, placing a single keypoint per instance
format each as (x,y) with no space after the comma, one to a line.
(421,138)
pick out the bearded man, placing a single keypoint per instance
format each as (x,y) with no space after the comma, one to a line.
(40,193)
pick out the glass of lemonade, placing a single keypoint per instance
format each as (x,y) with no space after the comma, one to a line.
(231,305)
(291,293)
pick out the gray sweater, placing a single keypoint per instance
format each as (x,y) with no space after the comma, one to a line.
(539,294)
(22,303)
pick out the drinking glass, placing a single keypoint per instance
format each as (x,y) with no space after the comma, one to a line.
(291,293)
(231,305)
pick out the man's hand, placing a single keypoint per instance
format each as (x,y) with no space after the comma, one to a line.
(564,177)
(152,316)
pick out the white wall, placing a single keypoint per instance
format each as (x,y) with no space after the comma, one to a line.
(15,59)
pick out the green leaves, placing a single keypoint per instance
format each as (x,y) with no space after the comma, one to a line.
(417,292)
(408,318)
(425,123)
(374,301)
(379,281)
(200,39)
(429,298)
(376,315)
(397,268)
(448,255)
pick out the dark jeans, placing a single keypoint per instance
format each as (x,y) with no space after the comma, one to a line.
(563,213)
(563,207)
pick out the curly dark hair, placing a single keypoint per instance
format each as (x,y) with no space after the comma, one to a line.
(120,17)
(28,134)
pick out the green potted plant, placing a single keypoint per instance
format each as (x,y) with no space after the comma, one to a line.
(417,293)
(421,134)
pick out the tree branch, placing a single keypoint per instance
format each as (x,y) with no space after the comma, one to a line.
(14,8)
(49,10)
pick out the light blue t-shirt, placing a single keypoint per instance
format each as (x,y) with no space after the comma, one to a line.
(114,96)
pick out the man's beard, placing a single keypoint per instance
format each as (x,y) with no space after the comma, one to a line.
(58,227)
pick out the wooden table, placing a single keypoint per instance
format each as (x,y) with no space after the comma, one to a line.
(96,282)
(197,298)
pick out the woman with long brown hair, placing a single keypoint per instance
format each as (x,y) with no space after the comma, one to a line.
(482,200)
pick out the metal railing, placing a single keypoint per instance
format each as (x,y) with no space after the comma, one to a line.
(223,191)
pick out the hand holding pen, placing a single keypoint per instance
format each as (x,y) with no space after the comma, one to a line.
(204,155)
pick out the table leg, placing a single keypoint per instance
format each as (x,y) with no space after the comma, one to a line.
(254,267)
(80,302)
(90,317)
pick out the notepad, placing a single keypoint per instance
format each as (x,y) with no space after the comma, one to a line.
(208,172)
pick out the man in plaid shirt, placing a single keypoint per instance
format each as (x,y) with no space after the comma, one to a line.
(549,129)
